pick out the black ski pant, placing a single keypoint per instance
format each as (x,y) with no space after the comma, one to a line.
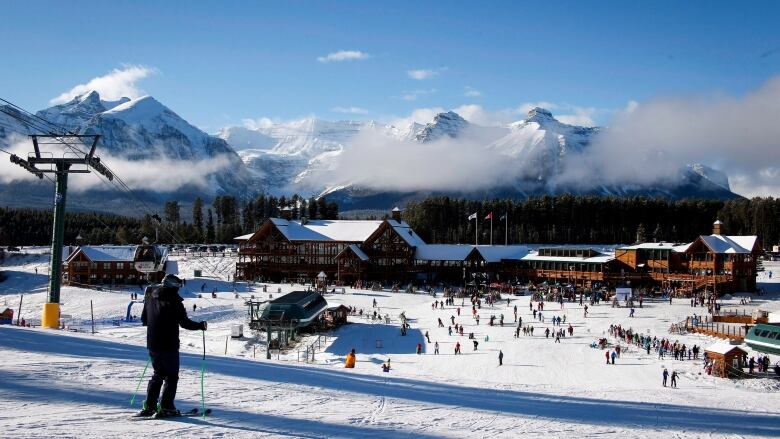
(166,370)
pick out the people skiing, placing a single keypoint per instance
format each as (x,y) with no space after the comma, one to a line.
(674,379)
(665,375)
(162,315)
(500,358)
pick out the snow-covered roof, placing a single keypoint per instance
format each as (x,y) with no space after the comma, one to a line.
(730,244)
(405,231)
(357,251)
(443,252)
(459,252)
(243,237)
(651,246)
(600,259)
(327,230)
(682,248)
(496,253)
(722,347)
(108,253)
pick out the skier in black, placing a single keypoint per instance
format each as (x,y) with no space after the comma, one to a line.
(162,315)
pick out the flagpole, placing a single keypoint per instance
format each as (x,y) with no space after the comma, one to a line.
(491,228)
(476,229)
(506,229)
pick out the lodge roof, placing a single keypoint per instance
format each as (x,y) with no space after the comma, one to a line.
(651,246)
(106,253)
(723,348)
(599,259)
(730,244)
(326,230)
(459,252)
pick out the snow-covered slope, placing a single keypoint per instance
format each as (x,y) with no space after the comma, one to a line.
(77,384)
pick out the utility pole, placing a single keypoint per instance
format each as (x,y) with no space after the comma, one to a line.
(60,167)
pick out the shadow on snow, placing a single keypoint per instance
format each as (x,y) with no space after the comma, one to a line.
(559,408)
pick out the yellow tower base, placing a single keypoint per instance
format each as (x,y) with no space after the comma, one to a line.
(50,317)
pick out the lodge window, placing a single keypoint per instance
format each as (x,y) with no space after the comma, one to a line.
(93,276)
(120,265)
(93,265)
(107,266)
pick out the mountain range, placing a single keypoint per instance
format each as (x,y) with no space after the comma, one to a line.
(285,157)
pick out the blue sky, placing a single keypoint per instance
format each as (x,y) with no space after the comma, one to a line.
(217,63)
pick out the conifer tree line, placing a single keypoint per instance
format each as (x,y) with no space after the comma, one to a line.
(219,222)
(592,220)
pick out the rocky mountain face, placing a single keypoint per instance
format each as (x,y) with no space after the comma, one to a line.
(145,130)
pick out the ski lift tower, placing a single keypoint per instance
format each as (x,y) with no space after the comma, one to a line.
(71,162)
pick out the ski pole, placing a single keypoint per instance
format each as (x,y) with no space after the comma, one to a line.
(202,370)
(139,380)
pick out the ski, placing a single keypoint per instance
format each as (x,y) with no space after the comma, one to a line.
(188,414)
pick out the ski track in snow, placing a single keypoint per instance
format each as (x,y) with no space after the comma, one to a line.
(57,383)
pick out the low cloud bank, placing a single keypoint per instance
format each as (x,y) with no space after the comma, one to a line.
(647,143)
(154,173)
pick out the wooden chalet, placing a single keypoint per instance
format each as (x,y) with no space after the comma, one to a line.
(719,262)
(390,251)
(727,359)
(105,265)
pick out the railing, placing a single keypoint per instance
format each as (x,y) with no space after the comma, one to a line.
(315,346)
(705,325)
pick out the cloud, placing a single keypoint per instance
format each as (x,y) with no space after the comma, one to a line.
(259,123)
(343,55)
(472,93)
(350,110)
(648,143)
(376,161)
(150,173)
(419,115)
(414,94)
(118,83)
(422,74)
(582,116)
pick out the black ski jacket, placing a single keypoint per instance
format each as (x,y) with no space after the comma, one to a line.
(162,315)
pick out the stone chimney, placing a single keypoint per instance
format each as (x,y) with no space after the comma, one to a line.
(717,227)
(286,212)
(304,220)
(396,214)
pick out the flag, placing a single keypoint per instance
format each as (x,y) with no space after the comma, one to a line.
(473,216)
(502,217)
(489,216)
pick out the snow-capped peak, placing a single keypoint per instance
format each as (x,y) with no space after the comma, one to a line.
(538,113)
(448,124)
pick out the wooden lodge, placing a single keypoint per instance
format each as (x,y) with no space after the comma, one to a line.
(105,265)
(390,251)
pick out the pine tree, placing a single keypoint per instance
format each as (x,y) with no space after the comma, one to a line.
(209,228)
(197,217)
(172,212)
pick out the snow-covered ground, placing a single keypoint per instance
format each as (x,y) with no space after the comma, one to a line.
(76,384)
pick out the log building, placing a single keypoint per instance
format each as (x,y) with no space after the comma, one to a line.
(105,265)
(390,251)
